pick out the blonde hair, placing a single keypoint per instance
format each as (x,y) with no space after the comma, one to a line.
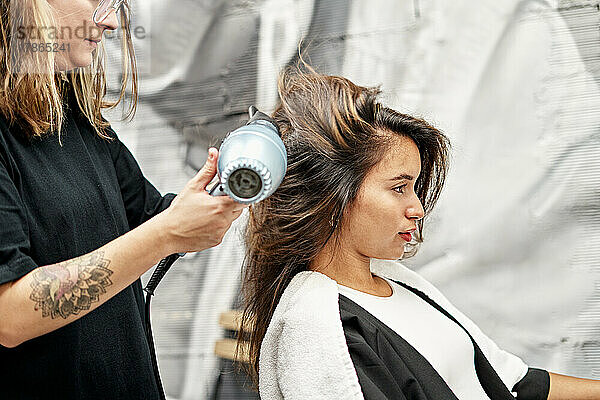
(32,91)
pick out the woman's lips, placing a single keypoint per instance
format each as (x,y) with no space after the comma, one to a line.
(406,236)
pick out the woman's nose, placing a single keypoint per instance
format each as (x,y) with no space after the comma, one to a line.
(111,22)
(415,209)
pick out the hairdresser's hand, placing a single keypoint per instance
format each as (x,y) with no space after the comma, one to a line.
(195,220)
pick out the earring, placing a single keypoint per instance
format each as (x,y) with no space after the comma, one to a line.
(331,220)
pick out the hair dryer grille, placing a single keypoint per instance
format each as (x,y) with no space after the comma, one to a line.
(252,160)
(246,180)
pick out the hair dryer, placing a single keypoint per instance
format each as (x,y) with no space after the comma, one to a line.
(252,160)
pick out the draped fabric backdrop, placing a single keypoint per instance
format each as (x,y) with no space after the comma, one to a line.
(515,241)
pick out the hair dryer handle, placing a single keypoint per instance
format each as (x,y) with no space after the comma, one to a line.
(217,190)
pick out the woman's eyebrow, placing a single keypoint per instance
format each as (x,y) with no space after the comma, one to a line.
(402,176)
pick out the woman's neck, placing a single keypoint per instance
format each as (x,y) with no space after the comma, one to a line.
(350,269)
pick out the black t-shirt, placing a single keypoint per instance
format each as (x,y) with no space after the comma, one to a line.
(57,203)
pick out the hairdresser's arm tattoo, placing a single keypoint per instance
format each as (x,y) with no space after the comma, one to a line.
(67,288)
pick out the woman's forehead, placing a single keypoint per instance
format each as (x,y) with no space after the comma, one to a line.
(401,157)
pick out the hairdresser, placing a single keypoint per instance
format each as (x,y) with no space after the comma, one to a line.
(79,223)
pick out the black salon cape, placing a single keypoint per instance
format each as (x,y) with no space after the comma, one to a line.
(57,203)
(388,367)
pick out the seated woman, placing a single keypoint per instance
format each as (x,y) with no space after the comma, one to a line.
(329,313)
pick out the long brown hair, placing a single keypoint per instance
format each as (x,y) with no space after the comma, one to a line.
(335,132)
(32,91)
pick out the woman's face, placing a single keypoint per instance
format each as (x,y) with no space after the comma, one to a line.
(386,205)
(78,32)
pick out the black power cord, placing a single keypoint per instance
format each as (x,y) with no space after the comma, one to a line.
(160,271)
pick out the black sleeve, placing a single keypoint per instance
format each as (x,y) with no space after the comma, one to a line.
(142,200)
(14,236)
(535,385)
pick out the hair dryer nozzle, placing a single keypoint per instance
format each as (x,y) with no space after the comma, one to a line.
(258,117)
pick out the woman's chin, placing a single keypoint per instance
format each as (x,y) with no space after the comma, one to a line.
(74,61)
(391,254)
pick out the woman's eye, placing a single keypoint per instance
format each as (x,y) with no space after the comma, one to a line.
(399,189)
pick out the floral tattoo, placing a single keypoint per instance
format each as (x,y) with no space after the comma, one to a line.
(58,293)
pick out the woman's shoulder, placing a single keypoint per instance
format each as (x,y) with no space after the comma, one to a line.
(307,308)
(308,295)
(306,334)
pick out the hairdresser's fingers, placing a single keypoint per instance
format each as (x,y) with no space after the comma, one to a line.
(235,215)
(207,172)
(229,204)
(240,207)
(232,212)
(238,212)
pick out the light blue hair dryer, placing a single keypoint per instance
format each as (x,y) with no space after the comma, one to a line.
(252,160)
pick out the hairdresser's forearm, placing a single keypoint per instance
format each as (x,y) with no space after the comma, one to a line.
(563,387)
(55,295)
